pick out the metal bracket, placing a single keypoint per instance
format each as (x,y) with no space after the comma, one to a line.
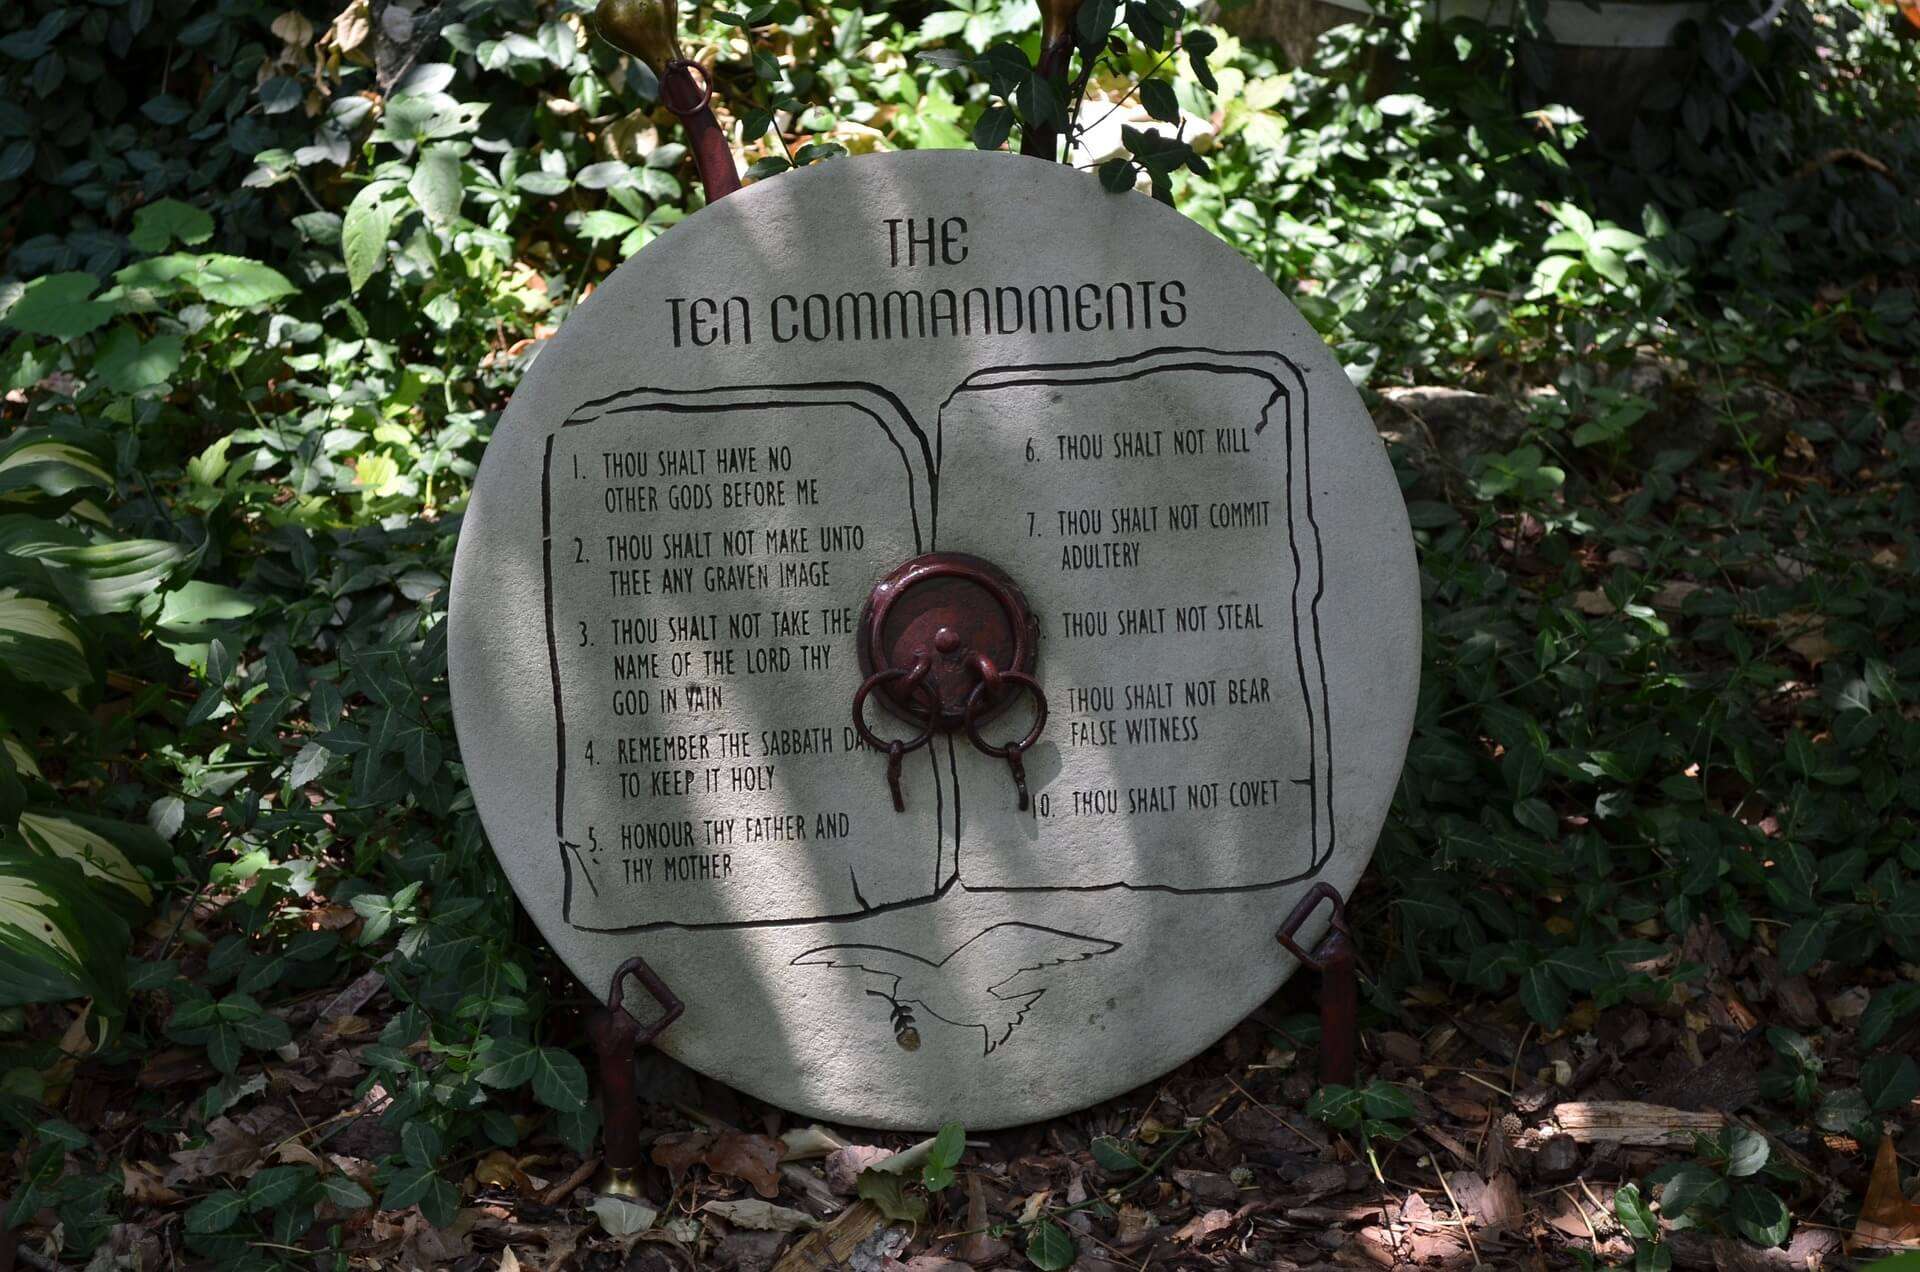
(1339,988)
(617,1036)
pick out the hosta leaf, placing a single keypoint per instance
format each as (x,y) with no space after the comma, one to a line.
(57,941)
(37,459)
(102,848)
(110,578)
(40,645)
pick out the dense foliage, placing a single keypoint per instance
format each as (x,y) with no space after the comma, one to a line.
(270,275)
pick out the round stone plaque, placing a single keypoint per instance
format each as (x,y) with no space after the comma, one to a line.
(1088,512)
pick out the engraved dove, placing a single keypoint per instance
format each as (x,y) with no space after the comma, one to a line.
(989,983)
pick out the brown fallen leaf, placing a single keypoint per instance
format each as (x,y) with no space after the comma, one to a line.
(735,1154)
(679,1151)
(1593,603)
(1133,1225)
(1200,1227)
(231,1149)
(754,1158)
(143,1185)
(760,1215)
(1887,1218)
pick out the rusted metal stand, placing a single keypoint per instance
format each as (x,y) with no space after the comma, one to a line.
(1056,50)
(650,30)
(690,98)
(1339,989)
(617,1037)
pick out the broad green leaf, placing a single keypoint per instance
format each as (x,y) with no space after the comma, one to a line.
(275,1185)
(156,226)
(344,1192)
(195,604)
(1158,97)
(421,1142)
(363,234)
(129,365)
(58,305)
(1382,1099)
(603,224)
(1690,1186)
(239,282)
(435,184)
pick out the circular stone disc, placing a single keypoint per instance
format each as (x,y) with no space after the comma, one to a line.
(660,580)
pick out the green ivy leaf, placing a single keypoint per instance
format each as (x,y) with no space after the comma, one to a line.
(1113,1154)
(1158,97)
(558,1080)
(1746,1152)
(1634,1214)
(420,1141)
(1761,1217)
(1049,1247)
(217,1211)
(344,1192)
(1804,944)
(1889,1081)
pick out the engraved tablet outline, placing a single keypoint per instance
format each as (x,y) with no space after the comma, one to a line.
(674,403)
(1308,654)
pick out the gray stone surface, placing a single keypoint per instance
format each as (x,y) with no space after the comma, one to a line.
(683,510)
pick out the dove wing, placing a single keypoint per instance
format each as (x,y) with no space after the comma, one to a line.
(875,960)
(1008,951)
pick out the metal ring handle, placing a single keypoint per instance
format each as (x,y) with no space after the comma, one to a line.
(693,69)
(916,681)
(1012,749)
(989,674)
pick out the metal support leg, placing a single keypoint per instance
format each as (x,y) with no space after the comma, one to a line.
(617,1036)
(1339,989)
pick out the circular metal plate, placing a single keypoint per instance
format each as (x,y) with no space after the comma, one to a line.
(656,622)
(949,609)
